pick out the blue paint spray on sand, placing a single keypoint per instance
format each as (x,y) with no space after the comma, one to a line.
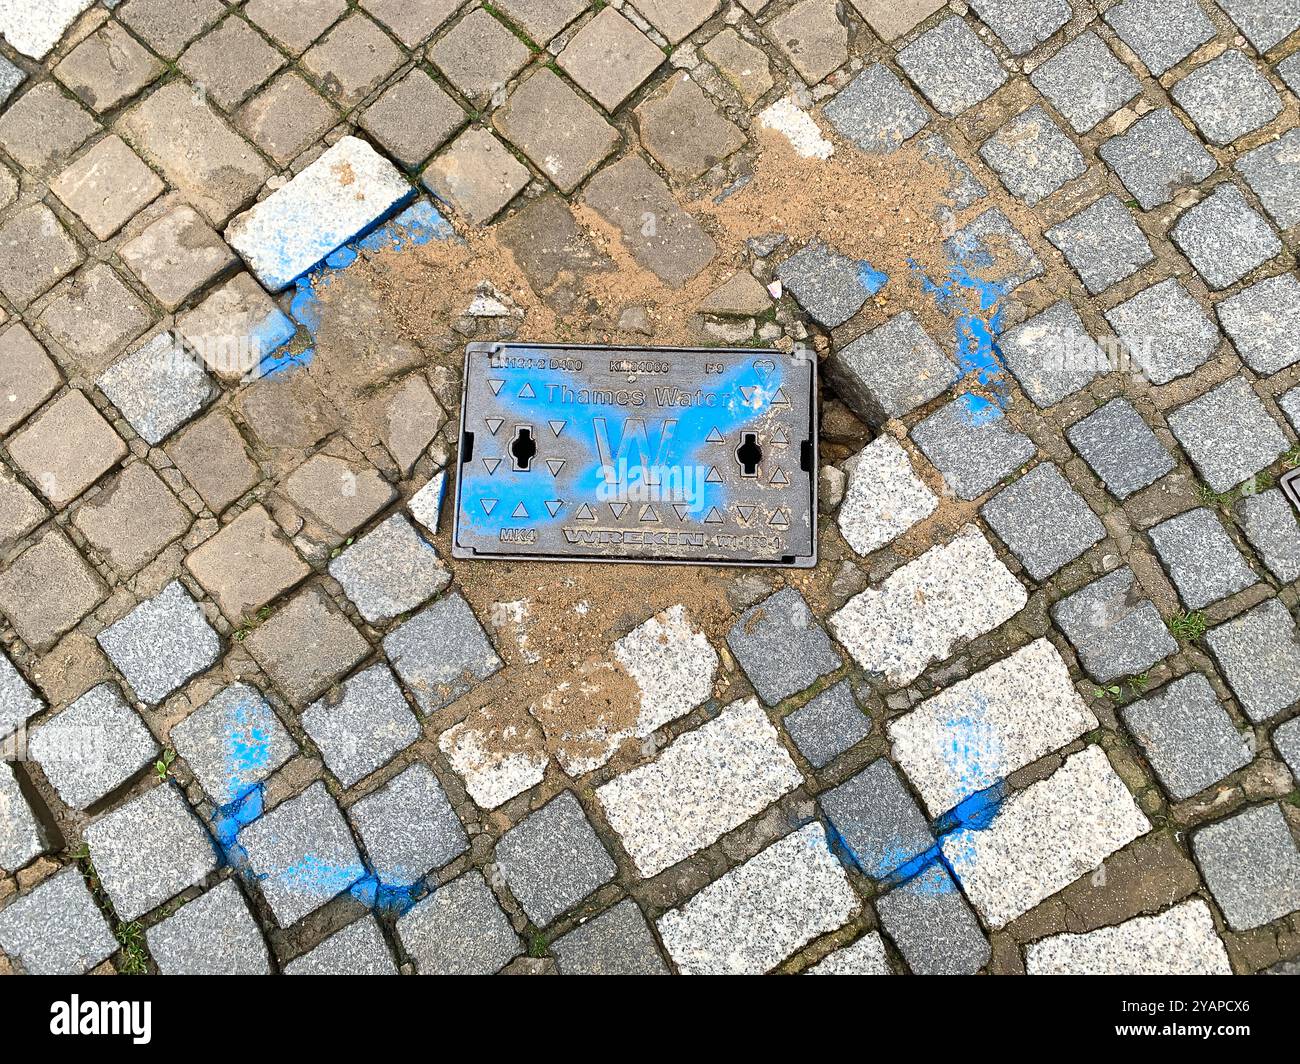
(414,226)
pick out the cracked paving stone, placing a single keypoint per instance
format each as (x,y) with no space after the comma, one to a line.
(1162,32)
(93,747)
(1044,521)
(866,956)
(149,850)
(683,130)
(1116,632)
(973,454)
(28,376)
(301,854)
(1228,434)
(553,859)
(1179,941)
(952,67)
(158,388)
(876,111)
(48,589)
(1045,837)
(884,496)
(132,519)
(1165,332)
(875,822)
(359,949)
(1270,525)
(1085,82)
(107,187)
(781,648)
(390,571)
(676,248)
(885,373)
(215,934)
(22,836)
(617,942)
(1256,652)
(828,725)
(459,929)
(1263,322)
(1051,355)
(362,726)
(706,783)
(1224,239)
(1033,156)
(981,730)
(441,652)
(1273,173)
(756,915)
(408,827)
(56,928)
(954,592)
(1187,736)
(305,645)
(933,926)
(562,134)
(18,702)
(1252,866)
(1022,25)
(161,643)
(1103,244)
(1227,98)
(1156,158)
(1202,561)
(1120,448)
(233,742)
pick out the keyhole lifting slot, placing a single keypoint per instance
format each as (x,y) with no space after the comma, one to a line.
(523,449)
(749,454)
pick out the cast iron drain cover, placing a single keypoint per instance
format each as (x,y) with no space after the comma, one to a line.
(1290,484)
(632,454)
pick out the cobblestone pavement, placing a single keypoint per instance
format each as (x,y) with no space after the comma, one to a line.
(1035,709)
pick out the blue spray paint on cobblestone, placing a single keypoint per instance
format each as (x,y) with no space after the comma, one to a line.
(415,226)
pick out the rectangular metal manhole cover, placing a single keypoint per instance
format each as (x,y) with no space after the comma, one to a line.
(627,454)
